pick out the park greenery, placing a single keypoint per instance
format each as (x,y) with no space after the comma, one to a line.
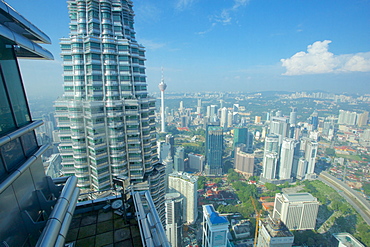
(245,193)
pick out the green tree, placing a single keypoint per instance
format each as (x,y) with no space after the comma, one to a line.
(201,182)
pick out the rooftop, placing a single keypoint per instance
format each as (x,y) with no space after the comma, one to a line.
(299,197)
(276,228)
(214,217)
(347,239)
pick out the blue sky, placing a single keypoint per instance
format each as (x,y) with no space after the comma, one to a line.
(231,45)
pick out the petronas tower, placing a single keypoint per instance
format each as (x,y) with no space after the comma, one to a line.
(105,117)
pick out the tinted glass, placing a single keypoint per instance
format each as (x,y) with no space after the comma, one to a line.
(29,143)
(7,122)
(12,154)
(2,171)
(13,83)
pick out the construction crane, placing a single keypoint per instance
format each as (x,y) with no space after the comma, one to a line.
(258,215)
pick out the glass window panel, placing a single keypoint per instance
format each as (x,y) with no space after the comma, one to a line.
(29,143)
(12,154)
(3,172)
(7,122)
(10,71)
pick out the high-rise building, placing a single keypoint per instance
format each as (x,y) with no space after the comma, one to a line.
(270,157)
(293,116)
(270,163)
(244,162)
(178,162)
(171,140)
(215,228)
(310,156)
(298,211)
(34,208)
(196,161)
(362,119)
(164,150)
(286,158)
(240,136)
(187,186)
(301,168)
(223,119)
(174,221)
(314,120)
(105,117)
(279,126)
(347,117)
(274,233)
(214,149)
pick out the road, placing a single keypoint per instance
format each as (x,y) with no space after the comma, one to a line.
(360,204)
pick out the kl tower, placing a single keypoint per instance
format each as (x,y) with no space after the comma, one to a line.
(162,86)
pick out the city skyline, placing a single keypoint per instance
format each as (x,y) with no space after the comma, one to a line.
(232,45)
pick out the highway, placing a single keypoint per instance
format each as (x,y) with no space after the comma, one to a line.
(360,204)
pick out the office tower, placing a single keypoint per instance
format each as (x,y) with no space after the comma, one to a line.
(34,208)
(240,136)
(199,107)
(286,158)
(279,126)
(213,113)
(196,162)
(293,116)
(181,108)
(274,233)
(164,150)
(244,162)
(314,120)
(215,228)
(270,163)
(223,119)
(297,210)
(214,149)
(187,186)
(168,162)
(171,140)
(178,162)
(310,155)
(301,168)
(270,157)
(105,117)
(229,119)
(184,121)
(174,221)
(162,86)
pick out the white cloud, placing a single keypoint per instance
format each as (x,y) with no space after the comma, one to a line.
(225,16)
(183,4)
(318,60)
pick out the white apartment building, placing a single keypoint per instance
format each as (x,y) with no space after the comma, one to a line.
(187,186)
